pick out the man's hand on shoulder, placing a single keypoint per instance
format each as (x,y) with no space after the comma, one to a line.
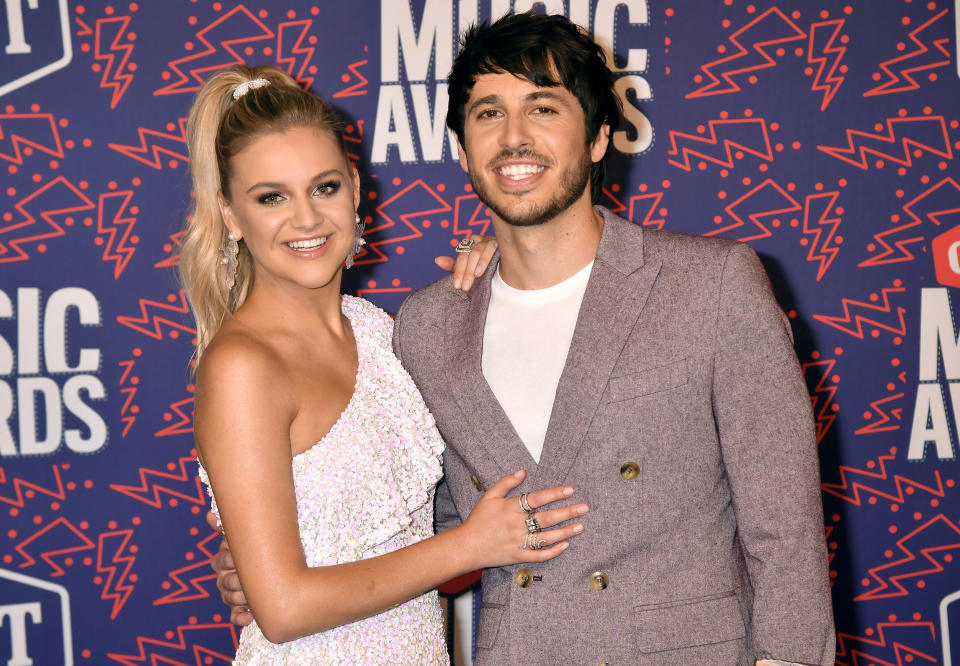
(228,582)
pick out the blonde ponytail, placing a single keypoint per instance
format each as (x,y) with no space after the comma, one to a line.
(218,127)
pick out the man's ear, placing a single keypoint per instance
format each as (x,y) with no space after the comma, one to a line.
(462,154)
(598,148)
(226,212)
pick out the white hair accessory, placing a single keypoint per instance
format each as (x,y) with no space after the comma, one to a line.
(247,86)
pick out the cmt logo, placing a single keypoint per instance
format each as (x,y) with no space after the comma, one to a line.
(37,41)
(946,257)
(34,621)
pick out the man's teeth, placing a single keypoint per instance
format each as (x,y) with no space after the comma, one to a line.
(311,244)
(519,171)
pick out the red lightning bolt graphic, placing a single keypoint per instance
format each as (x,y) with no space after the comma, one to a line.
(118,78)
(181,474)
(288,57)
(884,423)
(19,485)
(854,480)
(57,533)
(176,305)
(924,133)
(821,226)
(938,530)
(649,202)
(921,59)
(58,190)
(753,139)
(893,637)
(176,241)
(184,411)
(188,649)
(416,187)
(198,573)
(851,314)
(117,566)
(128,412)
(479,217)
(824,416)
(827,53)
(117,251)
(223,31)
(769,198)
(34,130)
(175,146)
(774,28)
(938,201)
(357,88)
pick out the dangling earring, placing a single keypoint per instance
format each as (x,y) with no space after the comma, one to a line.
(358,242)
(228,257)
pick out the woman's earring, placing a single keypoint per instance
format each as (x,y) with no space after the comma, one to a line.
(228,257)
(358,242)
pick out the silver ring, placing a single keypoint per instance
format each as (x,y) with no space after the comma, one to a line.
(532,525)
(535,543)
(525,504)
(465,245)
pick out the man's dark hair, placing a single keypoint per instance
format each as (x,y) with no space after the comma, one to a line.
(540,49)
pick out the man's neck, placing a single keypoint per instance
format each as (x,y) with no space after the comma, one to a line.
(543,255)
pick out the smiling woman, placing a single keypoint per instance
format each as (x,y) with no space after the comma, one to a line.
(320,454)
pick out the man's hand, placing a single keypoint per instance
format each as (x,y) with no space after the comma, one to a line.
(228,582)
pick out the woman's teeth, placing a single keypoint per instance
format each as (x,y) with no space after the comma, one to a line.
(311,244)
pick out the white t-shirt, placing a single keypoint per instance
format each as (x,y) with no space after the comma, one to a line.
(525,343)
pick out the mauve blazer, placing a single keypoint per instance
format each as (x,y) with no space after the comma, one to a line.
(683,420)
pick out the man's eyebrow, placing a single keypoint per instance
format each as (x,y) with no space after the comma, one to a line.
(546,94)
(488,99)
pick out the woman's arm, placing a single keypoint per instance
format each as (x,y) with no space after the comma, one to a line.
(242,419)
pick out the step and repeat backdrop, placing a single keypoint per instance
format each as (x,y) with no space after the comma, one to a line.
(824,133)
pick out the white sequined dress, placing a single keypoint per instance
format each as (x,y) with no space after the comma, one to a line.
(363,490)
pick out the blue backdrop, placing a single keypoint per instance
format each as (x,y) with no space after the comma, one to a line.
(824,133)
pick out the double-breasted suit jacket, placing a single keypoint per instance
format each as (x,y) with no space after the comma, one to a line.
(682,419)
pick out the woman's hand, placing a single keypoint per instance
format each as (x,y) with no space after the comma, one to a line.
(496,529)
(468,265)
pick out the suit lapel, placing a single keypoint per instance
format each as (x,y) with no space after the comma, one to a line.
(492,435)
(618,288)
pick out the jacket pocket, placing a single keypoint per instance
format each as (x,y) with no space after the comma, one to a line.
(652,380)
(490,617)
(689,623)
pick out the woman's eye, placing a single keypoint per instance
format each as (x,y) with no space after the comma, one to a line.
(328,188)
(270,198)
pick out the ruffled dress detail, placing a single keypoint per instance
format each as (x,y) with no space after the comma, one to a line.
(365,489)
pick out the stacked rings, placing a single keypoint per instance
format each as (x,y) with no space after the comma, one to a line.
(532,525)
(525,504)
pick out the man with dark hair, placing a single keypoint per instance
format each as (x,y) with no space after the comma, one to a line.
(652,371)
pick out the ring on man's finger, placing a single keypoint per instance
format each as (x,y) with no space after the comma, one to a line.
(532,525)
(465,245)
(525,503)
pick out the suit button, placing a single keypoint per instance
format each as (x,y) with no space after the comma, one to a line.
(629,470)
(599,580)
(523,577)
(476,482)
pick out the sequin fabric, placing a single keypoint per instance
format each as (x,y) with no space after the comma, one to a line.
(363,490)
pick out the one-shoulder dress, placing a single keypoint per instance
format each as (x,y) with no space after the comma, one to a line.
(365,489)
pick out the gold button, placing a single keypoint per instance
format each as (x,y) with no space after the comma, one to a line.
(629,470)
(599,580)
(523,577)
(476,482)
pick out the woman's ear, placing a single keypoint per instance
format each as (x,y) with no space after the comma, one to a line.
(226,212)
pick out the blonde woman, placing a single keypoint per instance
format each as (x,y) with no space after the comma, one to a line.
(320,454)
